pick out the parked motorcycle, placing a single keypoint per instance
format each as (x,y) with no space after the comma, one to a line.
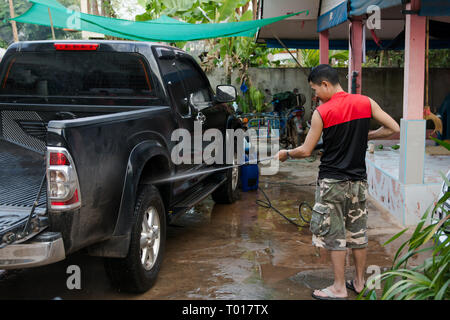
(290,108)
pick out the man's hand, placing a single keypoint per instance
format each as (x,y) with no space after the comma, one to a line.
(281,155)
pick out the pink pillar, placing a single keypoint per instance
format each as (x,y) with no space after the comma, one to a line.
(412,125)
(323,47)
(355,53)
(414,71)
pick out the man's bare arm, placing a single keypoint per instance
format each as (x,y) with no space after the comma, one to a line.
(389,125)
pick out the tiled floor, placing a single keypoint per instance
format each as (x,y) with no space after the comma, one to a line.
(388,160)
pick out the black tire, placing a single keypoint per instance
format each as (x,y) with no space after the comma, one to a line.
(226,194)
(128,274)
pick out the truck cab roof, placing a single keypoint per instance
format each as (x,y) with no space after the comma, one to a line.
(104,45)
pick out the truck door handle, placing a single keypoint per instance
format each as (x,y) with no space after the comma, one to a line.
(201,117)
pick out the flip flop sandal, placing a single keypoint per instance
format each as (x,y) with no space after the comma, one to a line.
(349,284)
(330,295)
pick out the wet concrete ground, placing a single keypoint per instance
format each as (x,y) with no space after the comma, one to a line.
(239,251)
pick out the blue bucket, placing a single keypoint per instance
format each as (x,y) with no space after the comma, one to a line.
(249,176)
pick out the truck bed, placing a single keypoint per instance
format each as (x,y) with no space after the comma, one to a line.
(21,172)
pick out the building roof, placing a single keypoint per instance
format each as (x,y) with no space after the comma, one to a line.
(303,32)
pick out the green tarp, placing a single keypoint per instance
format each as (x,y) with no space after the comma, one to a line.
(162,29)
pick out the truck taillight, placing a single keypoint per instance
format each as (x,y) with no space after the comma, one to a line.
(58,159)
(62,180)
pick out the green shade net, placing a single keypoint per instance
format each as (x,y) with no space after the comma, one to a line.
(162,29)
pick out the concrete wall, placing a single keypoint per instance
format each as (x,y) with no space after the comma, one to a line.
(384,85)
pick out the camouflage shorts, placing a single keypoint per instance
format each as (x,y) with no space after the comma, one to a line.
(339,216)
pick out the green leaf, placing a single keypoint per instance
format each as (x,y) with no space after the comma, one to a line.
(144,17)
(421,223)
(223,52)
(142,3)
(406,257)
(247,16)
(396,289)
(178,5)
(227,9)
(399,251)
(367,294)
(436,227)
(412,275)
(441,292)
(436,277)
(441,246)
(407,294)
(442,143)
(447,182)
(180,44)
(424,295)
(372,295)
(389,280)
(395,237)
(442,200)
(421,236)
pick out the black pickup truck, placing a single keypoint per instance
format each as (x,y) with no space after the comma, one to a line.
(85,127)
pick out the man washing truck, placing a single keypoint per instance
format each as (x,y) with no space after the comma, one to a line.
(339,217)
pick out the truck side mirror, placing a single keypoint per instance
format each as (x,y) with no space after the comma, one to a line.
(225,93)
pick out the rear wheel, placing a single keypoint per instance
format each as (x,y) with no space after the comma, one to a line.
(137,272)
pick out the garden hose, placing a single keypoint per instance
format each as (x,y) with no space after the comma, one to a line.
(289,183)
(268,205)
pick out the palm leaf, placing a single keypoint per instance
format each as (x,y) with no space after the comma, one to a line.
(399,251)
(421,236)
(436,227)
(443,245)
(412,275)
(395,237)
(424,295)
(408,294)
(442,291)
(396,289)
(437,276)
(447,182)
(442,143)
(420,224)
(406,257)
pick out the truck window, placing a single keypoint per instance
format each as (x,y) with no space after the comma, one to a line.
(194,81)
(104,78)
(172,77)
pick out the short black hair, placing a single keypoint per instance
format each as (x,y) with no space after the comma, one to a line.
(323,72)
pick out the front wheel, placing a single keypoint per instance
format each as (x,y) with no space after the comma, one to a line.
(229,191)
(137,272)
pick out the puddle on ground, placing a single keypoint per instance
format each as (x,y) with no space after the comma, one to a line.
(238,251)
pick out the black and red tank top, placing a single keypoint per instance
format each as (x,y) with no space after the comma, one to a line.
(346,120)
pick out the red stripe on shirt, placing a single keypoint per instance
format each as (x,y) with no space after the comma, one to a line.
(344,107)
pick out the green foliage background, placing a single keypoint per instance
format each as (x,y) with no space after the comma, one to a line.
(29,31)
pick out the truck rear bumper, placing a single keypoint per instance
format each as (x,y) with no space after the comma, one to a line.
(44,249)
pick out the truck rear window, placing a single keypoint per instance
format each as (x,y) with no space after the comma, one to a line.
(111,78)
